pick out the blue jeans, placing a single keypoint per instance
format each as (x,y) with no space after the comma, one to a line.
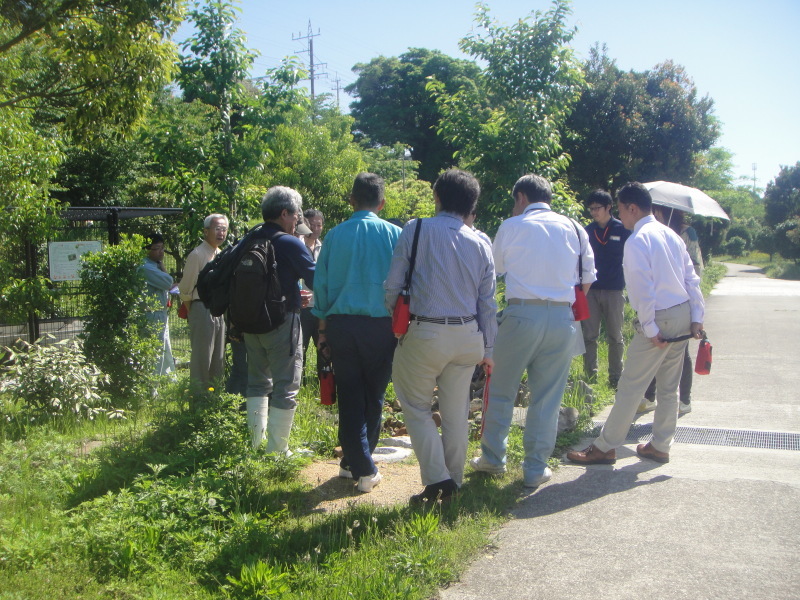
(361,350)
(539,339)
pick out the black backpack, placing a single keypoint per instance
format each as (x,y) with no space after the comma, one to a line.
(257,303)
(213,281)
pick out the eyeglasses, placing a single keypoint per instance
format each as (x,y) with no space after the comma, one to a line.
(219,229)
(596,208)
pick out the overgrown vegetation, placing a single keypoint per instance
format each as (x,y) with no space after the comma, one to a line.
(176,505)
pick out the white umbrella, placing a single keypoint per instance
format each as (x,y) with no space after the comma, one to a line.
(687,199)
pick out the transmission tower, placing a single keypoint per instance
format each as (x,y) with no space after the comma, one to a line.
(312,66)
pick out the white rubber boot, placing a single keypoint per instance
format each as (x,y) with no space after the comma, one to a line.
(280,425)
(257,416)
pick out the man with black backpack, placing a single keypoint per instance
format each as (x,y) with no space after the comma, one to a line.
(265,306)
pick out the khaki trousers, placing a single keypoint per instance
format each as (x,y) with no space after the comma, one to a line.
(445,355)
(645,361)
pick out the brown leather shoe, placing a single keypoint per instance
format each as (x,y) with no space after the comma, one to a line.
(648,451)
(592,456)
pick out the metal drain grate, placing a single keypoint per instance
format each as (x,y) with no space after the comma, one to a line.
(709,436)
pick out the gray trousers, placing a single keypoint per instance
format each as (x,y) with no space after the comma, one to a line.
(645,361)
(608,306)
(207,337)
(275,363)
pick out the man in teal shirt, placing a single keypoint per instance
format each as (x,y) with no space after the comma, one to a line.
(355,326)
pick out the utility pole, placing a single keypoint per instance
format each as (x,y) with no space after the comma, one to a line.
(312,66)
(755,166)
(337,86)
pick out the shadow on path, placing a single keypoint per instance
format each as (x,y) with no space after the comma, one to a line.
(594,483)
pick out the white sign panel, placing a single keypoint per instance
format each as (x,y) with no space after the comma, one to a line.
(65,258)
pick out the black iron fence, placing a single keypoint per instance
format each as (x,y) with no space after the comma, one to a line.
(57,259)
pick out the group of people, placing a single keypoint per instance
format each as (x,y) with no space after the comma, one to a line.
(341,294)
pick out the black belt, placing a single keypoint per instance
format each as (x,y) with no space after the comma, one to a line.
(444,320)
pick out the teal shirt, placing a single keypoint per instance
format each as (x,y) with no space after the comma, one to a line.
(353,265)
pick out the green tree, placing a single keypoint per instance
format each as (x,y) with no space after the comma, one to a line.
(714,170)
(91,64)
(68,69)
(787,239)
(510,120)
(637,126)
(415,200)
(313,152)
(392,105)
(213,72)
(782,196)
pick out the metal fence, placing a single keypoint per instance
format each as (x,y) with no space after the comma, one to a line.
(65,320)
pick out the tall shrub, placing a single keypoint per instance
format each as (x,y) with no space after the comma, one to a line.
(117,335)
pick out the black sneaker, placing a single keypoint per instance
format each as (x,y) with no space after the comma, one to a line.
(435,492)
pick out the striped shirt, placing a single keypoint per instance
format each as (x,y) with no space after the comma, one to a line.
(453,275)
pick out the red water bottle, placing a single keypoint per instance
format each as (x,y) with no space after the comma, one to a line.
(580,308)
(401,317)
(327,384)
(702,365)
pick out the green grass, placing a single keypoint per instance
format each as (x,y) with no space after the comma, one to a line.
(176,505)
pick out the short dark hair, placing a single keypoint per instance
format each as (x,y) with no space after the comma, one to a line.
(634,192)
(312,213)
(601,197)
(457,191)
(367,190)
(154,238)
(535,187)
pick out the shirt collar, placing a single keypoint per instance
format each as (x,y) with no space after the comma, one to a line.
(643,221)
(444,213)
(363,214)
(536,206)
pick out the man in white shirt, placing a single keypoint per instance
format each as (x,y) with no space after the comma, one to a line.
(206,332)
(539,251)
(664,291)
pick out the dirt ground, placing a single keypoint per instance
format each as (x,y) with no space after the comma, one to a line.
(331,493)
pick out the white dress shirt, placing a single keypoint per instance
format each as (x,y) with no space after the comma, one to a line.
(659,273)
(538,252)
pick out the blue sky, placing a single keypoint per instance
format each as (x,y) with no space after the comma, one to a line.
(744,54)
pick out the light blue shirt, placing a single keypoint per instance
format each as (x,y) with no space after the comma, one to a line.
(158,282)
(352,266)
(453,275)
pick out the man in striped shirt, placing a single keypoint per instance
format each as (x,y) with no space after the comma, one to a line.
(452,329)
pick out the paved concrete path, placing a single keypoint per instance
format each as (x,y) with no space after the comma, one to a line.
(718,521)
